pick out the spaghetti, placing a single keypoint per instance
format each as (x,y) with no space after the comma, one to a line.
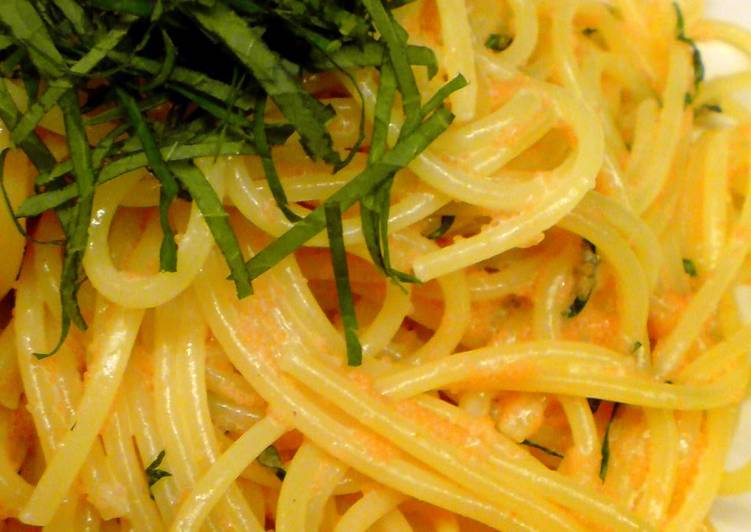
(572,358)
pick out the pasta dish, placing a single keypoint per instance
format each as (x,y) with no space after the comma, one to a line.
(370,265)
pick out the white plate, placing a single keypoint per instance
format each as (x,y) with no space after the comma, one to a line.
(731,514)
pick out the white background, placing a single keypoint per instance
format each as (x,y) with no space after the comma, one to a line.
(731,514)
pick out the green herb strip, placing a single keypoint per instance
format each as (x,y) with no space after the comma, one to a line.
(690,268)
(115,113)
(9,207)
(270,458)
(711,107)
(361,128)
(262,145)
(435,101)
(438,232)
(370,216)
(699,71)
(38,109)
(382,113)
(186,77)
(168,65)
(498,42)
(77,226)
(302,110)
(371,55)
(217,219)
(59,86)
(5,42)
(587,280)
(6,197)
(75,14)
(153,473)
(45,39)
(396,42)
(27,26)
(33,146)
(404,151)
(606,444)
(225,114)
(542,448)
(594,404)
(39,203)
(168,190)
(333,214)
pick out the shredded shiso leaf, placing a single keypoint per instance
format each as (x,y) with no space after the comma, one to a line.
(184,79)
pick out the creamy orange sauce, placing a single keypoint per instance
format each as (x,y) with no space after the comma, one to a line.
(664,317)
(473,437)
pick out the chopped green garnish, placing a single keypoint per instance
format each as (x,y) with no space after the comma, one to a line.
(698,63)
(6,197)
(690,268)
(187,79)
(270,458)
(168,64)
(442,94)
(594,404)
(60,85)
(438,232)
(343,289)
(169,189)
(577,306)
(275,185)
(606,444)
(382,113)
(116,112)
(395,38)
(371,55)
(129,161)
(153,473)
(34,148)
(542,448)
(589,31)
(75,14)
(374,211)
(76,218)
(315,222)
(218,221)
(307,114)
(587,279)
(9,206)
(498,42)
(709,107)
(27,27)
